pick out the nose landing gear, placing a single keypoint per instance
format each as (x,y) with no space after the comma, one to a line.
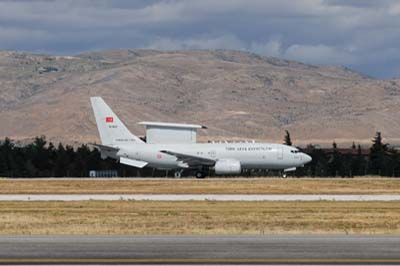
(285,171)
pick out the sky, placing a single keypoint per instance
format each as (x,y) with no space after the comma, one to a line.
(363,35)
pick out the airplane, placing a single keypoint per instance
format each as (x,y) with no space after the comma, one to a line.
(223,157)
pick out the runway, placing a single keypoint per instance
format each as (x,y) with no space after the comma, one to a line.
(192,249)
(195,197)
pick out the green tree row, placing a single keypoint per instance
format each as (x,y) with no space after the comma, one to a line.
(380,160)
(42,159)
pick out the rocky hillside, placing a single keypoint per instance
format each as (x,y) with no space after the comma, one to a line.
(236,94)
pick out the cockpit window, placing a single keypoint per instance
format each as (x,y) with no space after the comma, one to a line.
(294,151)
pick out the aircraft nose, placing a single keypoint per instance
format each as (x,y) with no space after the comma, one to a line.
(306,158)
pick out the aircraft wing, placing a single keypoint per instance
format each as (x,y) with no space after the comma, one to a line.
(190,160)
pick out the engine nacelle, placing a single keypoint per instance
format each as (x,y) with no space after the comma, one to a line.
(227,166)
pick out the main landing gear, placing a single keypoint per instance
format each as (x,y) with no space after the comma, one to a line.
(200,174)
(178,174)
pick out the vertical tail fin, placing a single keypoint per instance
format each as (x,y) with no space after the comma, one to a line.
(112,131)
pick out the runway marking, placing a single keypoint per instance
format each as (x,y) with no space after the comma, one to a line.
(195,197)
(202,261)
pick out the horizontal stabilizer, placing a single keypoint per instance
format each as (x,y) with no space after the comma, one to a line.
(104,147)
(134,163)
(106,151)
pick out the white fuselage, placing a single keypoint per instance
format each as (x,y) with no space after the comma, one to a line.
(251,155)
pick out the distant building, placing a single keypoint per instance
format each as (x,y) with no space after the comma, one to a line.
(103,173)
(395,147)
(47,69)
(343,151)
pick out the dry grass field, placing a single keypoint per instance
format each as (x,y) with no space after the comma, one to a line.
(207,186)
(198,217)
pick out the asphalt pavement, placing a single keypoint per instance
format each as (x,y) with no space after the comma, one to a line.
(195,249)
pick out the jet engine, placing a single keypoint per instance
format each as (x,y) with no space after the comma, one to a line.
(227,166)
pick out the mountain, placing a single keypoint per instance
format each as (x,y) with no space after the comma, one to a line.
(238,95)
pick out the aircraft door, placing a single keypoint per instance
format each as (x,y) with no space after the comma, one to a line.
(280,153)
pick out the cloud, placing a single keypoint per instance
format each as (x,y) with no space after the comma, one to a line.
(220,42)
(319,54)
(269,48)
(12,34)
(358,34)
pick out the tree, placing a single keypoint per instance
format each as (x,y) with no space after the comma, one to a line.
(318,165)
(288,140)
(62,162)
(335,164)
(40,156)
(378,156)
(353,146)
(7,161)
(71,155)
(396,164)
(358,164)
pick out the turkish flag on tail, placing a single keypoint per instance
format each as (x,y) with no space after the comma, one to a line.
(109,119)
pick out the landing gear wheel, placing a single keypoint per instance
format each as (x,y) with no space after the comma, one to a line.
(177,174)
(200,174)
